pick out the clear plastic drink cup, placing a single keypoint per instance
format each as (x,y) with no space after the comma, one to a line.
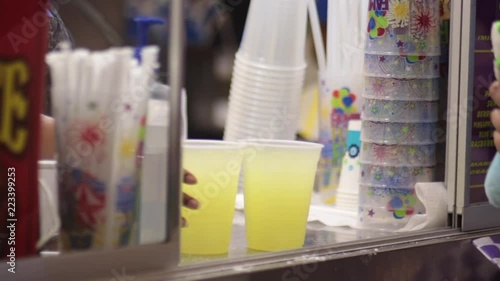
(278,184)
(216,166)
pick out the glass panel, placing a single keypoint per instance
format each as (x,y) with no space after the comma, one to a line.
(214,31)
(482,149)
(34,223)
(474,137)
(210,56)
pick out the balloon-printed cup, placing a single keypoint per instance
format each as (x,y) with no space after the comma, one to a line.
(402,66)
(399,111)
(401,89)
(404,27)
(398,155)
(399,133)
(395,177)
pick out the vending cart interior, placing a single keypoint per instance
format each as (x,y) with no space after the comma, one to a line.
(332,252)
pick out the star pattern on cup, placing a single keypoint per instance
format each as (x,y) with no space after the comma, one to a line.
(371,213)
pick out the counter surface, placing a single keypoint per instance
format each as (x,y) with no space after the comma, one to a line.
(317,235)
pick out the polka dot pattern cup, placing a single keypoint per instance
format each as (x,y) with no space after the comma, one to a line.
(401,89)
(403,67)
(398,155)
(387,208)
(399,111)
(400,177)
(384,218)
(399,133)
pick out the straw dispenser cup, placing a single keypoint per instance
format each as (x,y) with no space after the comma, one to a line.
(400,110)
(268,73)
(99,103)
(341,87)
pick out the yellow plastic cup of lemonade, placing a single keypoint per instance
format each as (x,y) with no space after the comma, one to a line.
(216,166)
(278,185)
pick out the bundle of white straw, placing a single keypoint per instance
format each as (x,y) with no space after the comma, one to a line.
(99,102)
(346,35)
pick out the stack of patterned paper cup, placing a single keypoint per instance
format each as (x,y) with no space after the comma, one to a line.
(400,110)
(269,71)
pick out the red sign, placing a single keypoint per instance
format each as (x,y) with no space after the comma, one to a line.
(23,41)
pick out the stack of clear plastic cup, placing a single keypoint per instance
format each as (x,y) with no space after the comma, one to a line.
(400,111)
(269,71)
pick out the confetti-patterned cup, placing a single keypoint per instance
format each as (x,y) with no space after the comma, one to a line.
(402,67)
(397,198)
(399,133)
(399,111)
(404,27)
(401,89)
(387,208)
(398,155)
(395,177)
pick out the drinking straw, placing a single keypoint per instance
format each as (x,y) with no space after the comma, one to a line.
(317,36)
(122,67)
(333,36)
(343,24)
(362,22)
(346,20)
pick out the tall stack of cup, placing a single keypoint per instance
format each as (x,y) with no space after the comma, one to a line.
(269,71)
(400,110)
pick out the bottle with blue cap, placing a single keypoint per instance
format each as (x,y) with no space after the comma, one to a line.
(154,165)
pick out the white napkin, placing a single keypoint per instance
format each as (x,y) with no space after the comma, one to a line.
(434,197)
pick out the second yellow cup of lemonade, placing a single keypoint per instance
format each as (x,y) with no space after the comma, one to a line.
(216,166)
(279,180)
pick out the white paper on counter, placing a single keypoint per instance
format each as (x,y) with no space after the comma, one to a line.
(330,216)
(434,197)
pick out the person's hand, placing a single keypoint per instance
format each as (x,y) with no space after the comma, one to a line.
(188,201)
(47,138)
(495,114)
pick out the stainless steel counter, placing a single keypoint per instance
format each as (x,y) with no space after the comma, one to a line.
(444,255)
(317,235)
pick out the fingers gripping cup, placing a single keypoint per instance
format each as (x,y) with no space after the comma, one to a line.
(279,180)
(216,165)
